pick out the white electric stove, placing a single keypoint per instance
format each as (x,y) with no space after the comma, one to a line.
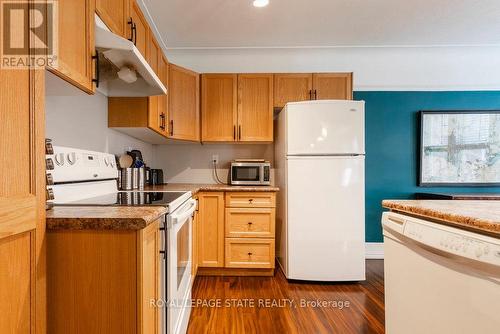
(78,177)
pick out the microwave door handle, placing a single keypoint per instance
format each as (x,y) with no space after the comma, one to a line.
(185,213)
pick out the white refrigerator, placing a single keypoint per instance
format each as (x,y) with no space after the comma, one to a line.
(320,168)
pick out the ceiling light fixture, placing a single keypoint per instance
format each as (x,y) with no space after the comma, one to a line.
(260,3)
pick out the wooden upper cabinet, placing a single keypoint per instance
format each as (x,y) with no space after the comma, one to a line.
(163,99)
(255,107)
(139,32)
(76,43)
(219,107)
(153,53)
(332,86)
(115,14)
(292,87)
(183,99)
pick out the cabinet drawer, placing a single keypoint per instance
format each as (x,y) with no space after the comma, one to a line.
(250,222)
(249,253)
(250,200)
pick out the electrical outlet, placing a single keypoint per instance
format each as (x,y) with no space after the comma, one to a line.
(215,158)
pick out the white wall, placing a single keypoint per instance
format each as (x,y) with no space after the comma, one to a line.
(79,120)
(375,68)
(191,163)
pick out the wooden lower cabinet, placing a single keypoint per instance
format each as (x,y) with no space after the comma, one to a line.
(235,233)
(104,281)
(211,229)
(249,253)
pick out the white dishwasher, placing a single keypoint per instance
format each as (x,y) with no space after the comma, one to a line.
(439,279)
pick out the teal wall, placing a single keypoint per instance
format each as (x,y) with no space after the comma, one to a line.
(392,144)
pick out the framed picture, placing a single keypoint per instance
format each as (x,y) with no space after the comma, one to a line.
(460,148)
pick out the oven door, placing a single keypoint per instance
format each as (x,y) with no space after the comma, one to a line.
(179,263)
(246,174)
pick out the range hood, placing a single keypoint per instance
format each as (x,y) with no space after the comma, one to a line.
(118,55)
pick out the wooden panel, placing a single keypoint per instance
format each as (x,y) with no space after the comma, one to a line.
(365,313)
(115,14)
(127,112)
(255,107)
(76,43)
(93,284)
(250,199)
(141,26)
(236,272)
(17,215)
(149,278)
(183,103)
(249,222)
(249,253)
(292,87)
(153,58)
(162,115)
(16,283)
(22,196)
(211,230)
(219,107)
(332,86)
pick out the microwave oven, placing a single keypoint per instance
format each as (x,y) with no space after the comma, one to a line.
(250,173)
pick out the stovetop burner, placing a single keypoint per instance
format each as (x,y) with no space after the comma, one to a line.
(129,198)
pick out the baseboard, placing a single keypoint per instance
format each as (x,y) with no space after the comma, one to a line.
(374,250)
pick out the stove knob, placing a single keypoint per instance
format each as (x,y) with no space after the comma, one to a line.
(49,164)
(49,179)
(71,158)
(59,157)
(106,162)
(49,194)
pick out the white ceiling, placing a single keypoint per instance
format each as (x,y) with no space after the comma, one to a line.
(325,23)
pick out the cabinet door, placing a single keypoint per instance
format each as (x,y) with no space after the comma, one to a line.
(149,278)
(152,57)
(292,87)
(183,102)
(140,28)
(115,14)
(255,107)
(332,86)
(219,107)
(76,43)
(163,99)
(211,229)
(22,199)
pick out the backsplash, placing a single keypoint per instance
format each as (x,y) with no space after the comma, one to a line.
(80,120)
(191,162)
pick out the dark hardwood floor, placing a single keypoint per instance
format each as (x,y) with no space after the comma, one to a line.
(287,311)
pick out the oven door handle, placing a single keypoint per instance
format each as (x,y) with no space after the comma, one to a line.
(185,212)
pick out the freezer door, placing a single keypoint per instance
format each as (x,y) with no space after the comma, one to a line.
(326,218)
(325,127)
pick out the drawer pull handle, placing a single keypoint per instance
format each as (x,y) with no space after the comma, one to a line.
(250,200)
(250,223)
(249,254)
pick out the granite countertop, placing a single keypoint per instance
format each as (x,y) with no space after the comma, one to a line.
(476,216)
(102,217)
(195,188)
(128,218)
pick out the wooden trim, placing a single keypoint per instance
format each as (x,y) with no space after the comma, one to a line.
(235,272)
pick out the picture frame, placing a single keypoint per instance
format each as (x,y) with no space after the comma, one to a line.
(459,148)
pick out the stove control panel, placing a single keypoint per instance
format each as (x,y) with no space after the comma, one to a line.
(73,165)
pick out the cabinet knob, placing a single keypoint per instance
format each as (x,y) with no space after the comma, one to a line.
(250,223)
(250,201)
(249,254)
